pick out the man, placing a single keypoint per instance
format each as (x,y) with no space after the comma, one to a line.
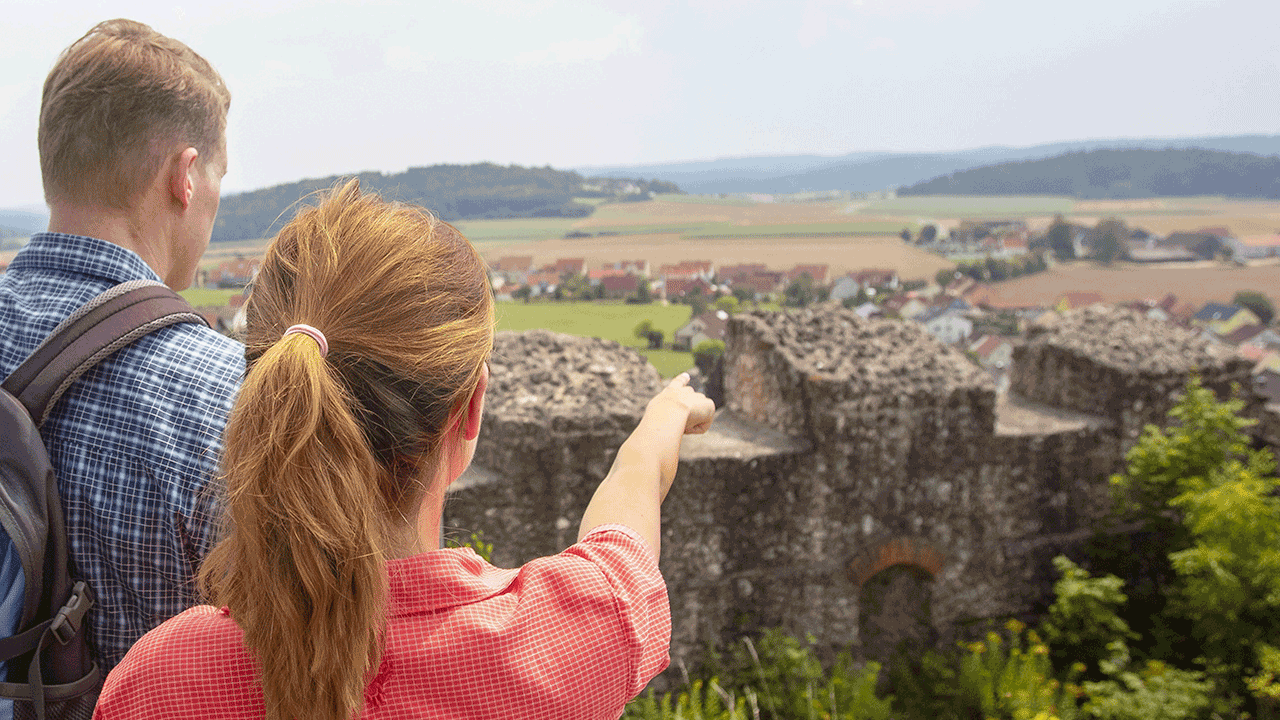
(132,152)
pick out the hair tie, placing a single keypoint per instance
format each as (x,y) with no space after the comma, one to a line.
(312,333)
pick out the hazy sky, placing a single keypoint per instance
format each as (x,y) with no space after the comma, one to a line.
(321,88)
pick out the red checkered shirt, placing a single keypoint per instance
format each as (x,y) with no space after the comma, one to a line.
(568,637)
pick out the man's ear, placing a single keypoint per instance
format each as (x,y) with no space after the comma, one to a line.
(182,184)
(475,406)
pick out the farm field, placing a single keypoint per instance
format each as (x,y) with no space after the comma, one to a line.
(209,297)
(481,231)
(1125,281)
(970,206)
(843,253)
(611,321)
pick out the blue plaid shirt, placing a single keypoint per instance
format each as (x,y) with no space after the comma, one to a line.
(135,442)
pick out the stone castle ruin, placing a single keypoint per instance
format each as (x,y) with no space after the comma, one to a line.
(863,483)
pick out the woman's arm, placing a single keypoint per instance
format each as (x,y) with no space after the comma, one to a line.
(633,491)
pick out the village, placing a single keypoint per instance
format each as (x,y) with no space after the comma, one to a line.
(961,309)
(966,308)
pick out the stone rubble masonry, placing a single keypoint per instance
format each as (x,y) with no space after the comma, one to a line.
(846,447)
(1116,363)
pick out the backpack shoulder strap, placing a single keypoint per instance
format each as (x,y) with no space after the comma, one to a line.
(105,324)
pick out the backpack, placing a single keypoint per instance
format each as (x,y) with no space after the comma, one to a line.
(51,671)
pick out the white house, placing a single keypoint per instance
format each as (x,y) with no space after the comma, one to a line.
(949,326)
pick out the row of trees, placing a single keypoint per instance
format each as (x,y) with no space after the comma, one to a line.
(1118,174)
(994,269)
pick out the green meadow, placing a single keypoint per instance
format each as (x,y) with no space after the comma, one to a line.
(209,297)
(868,227)
(611,321)
(515,229)
(971,206)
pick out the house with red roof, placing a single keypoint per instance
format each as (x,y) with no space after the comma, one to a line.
(817,273)
(569,266)
(517,263)
(710,325)
(235,273)
(633,267)
(620,286)
(688,269)
(731,272)
(993,351)
(676,288)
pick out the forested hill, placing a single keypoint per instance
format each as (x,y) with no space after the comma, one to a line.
(1118,174)
(453,192)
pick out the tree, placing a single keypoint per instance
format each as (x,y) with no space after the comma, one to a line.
(728,303)
(574,287)
(997,269)
(743,294)
(644,330)
(800,292)
(643,296)
(1216,498)
(945,276)
(905,235)
(707,351)
(1258,303)
(1106,240)
(522,293)
(1060,239)
(697,301)
(928,234)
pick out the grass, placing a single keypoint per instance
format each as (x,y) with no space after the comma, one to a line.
(969,206)
(703,199)
(684,229)
(869,227)
(209,297)
(515,229)
(608,320)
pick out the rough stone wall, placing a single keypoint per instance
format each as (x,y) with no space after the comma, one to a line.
(847,447)
(556,411)
(1116,363)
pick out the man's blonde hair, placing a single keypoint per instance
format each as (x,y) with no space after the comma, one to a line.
(115,103)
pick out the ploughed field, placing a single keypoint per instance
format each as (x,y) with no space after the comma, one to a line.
(1218,282)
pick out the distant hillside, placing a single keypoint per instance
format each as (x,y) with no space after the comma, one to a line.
(454,192)
(1120,174)
(868,171)
(20,223)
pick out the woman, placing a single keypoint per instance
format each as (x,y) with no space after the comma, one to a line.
(368,331)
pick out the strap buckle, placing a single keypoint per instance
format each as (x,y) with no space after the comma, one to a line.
(71,615)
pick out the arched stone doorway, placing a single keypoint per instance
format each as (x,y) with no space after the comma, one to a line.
(895,614)
(895,595)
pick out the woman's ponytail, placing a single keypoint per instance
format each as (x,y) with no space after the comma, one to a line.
(303,571)
(324,457)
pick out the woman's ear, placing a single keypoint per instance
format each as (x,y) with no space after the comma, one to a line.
(475,406)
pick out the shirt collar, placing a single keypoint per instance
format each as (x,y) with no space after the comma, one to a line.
(63,253)
(442,578)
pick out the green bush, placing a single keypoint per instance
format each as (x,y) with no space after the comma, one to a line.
(475,542)
(1006,676)
(1084,619)
(1155,692)
(708,350)
(777,677)
(698,702)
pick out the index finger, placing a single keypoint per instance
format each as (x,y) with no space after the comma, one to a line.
(679,381)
